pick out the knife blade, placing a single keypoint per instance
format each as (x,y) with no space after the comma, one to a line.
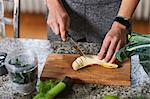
(75,45)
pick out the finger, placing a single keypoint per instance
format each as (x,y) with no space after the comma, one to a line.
(104,47)
(56,28)
(49,21)
(50,24)
(52,27)
(117,49)
(111,49)
(62,30)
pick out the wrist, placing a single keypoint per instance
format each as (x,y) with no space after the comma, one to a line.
(123,20)
(127,17)
(117,25)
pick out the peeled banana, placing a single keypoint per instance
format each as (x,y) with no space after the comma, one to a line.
(87,60)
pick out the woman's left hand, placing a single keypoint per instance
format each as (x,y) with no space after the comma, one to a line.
(115,39)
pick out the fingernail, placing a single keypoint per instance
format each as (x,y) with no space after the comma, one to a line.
(99,57)
(64,39)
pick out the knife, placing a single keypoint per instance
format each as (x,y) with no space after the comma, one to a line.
(75,45)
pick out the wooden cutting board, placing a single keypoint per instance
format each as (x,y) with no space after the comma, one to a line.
(59,65)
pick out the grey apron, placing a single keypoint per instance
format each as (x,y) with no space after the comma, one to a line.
(90,19)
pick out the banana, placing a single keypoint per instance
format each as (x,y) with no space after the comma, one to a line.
(87,60)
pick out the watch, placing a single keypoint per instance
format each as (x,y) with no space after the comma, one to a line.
(124,21)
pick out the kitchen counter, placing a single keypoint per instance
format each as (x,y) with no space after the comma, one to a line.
(140,80)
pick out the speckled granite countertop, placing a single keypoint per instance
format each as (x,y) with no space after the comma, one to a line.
(140,80)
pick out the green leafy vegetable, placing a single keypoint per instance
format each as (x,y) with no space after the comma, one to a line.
(132,48)
(139,44)
(44,87)
(139,37)
(23,77)
(51,88)
(18,63)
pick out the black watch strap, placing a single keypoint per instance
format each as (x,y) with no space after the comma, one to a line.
(123,21)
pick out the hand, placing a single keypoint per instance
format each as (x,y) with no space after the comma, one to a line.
(58,18)
(115,39)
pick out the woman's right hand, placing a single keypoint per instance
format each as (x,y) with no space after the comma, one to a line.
(58,18)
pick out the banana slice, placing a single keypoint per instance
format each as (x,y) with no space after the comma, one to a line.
(84,61)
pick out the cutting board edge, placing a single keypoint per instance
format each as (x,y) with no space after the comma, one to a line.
(114,83)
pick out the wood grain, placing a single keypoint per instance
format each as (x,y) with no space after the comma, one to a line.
(59,65)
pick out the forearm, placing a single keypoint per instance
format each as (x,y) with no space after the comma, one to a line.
(127,8)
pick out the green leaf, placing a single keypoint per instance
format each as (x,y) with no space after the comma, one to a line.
(44,87)
(138,43)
